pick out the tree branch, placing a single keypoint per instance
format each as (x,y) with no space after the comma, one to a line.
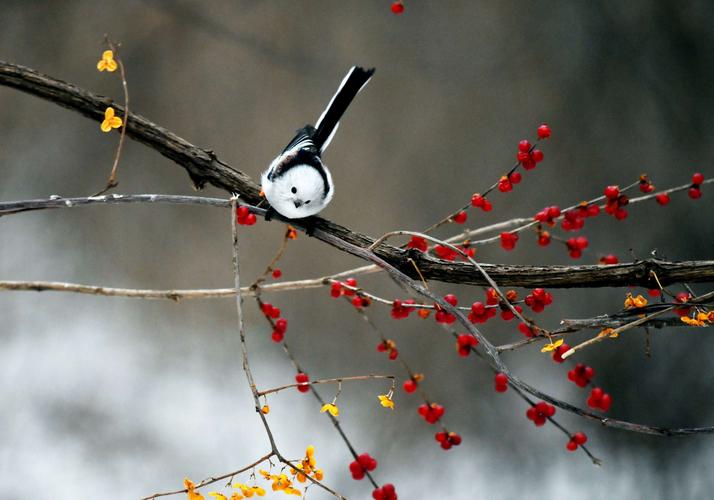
(203,166)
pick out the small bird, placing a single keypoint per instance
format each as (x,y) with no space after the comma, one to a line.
(297,184)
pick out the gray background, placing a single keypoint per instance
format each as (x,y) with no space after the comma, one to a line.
(121,398)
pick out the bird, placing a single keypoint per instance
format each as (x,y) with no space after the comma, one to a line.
(297,184)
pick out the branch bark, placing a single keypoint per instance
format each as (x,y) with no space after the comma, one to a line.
(203,166)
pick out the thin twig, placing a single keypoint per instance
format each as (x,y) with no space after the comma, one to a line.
(325,381)
(215,479)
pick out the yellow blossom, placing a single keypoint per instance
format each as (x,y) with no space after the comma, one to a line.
(635,302)
(249,491)
(191,490)
(236,496)
(319,474)
(692,321)
(386,401)
(110,121)
(703,317)
(218,496)
(552,346)
(107,62)
(332,408)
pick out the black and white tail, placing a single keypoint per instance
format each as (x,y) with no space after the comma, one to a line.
(326,125)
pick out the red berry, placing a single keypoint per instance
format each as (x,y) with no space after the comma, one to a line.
(242,212)
(250,219)
(504,185)
(397,7)
(460,217)
(281,325)
(609,259)
(524,146)
(419,243)
(277,336)
(477,200)
(543,131)
(559,351)
(697,178)
(515,177)
(580,438)
(451,299)
(277,273)
(508,240)
(537,155)
(302,378)
(571,445)
(409,386)
(523,156)
(612,192)
(694,193)
(662,198)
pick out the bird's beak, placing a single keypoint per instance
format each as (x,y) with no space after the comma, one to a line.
(297,203)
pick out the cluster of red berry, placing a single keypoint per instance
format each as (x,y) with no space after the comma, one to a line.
(507,313)
(244,217)
(574,219)
(538,299)
(577,439)
(481,202)
(576,246)
(646,185)
(615,202)
(418,243)
(695,191)
(464,343)
(599,399)
(539,412)
(581,375)
(479,312)
(431,412)
(506,182)
(548,215)
(280,325)
(447,439)
(385,492)
(399,311)
(388,346)
(337,289)
(364,463)
(441,315)
(527,155)
(302,379)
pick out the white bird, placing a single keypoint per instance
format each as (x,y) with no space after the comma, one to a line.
(297,184)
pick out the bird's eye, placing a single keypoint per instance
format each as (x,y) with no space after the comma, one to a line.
(308,201)
(293,190)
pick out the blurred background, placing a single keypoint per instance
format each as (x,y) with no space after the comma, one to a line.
(111,397)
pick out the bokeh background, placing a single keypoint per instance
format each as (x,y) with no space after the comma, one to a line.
(121,398)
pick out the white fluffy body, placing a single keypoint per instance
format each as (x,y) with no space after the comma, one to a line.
(307,199)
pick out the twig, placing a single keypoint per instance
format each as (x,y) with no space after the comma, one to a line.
(212,480)
(112,182)
(246,363)
(326,381)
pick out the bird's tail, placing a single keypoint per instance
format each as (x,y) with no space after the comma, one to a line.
(326,125)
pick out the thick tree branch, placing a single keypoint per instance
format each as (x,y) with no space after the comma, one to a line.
(636,273)
(204,167)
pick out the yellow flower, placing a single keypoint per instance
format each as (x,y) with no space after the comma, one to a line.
(110,121)
(289,490)
(190,487)
(635,302)
(319,474)
(552,346)
(249,491)
(265,409)
(386,401)
(218,496)
(332,408)
(107,62)
(692,321)
(236,496)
